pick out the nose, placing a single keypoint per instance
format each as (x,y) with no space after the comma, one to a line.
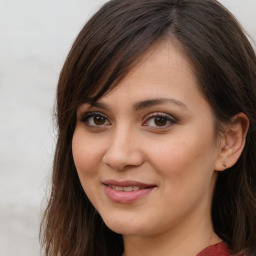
(123,150)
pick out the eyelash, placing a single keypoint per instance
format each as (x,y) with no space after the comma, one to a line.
(85,119)
(165,118)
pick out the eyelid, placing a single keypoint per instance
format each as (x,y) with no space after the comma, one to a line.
(162,114)
(91,113)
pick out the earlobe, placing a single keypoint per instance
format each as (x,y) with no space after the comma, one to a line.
(232,142)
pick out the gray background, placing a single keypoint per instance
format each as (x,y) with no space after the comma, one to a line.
(35,39)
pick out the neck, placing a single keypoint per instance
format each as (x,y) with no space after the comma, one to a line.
(186,240)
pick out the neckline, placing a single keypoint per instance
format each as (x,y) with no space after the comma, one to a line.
(220,248)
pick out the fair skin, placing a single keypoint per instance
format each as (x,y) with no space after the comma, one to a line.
(154,134)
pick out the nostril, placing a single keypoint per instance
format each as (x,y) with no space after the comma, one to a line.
(120,160)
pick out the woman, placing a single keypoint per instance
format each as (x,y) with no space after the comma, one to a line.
(157,135)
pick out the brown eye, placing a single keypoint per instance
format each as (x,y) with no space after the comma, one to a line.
(96,120)
(160,121)
(99,120)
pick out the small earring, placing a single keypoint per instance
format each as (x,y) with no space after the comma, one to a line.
(224,164)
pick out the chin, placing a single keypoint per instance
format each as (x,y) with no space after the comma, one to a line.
(125,227)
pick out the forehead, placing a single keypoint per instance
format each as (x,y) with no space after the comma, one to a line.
(166,56)
(163,64)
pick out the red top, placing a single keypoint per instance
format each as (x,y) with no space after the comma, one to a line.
(219,249)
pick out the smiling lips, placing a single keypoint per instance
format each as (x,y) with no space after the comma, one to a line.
(126,191)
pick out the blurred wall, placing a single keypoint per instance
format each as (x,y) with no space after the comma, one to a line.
(35,39)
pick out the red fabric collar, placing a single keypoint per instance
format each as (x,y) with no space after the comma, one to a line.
(219,249)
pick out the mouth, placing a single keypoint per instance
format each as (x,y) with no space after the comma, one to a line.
(127,191)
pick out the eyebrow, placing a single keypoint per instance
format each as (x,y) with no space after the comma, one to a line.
(97,104)
(160,101)
(142,104)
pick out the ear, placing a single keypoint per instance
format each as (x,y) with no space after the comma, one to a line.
(232,142)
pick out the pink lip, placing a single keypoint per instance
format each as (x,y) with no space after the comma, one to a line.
(127,196)
(127,183)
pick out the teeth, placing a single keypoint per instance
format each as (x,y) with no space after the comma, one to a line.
(126,189)
(118,188)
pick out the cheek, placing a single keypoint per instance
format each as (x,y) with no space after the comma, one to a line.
(185,168)
(184,159)
(86,158)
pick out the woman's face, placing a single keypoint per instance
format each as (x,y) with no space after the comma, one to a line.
(146,152)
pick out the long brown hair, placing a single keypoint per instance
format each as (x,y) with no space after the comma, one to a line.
(105,50)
